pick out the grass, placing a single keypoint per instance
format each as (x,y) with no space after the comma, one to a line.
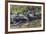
(33,24)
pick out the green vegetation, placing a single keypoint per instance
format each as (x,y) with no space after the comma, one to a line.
(23,9)
(18,9)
